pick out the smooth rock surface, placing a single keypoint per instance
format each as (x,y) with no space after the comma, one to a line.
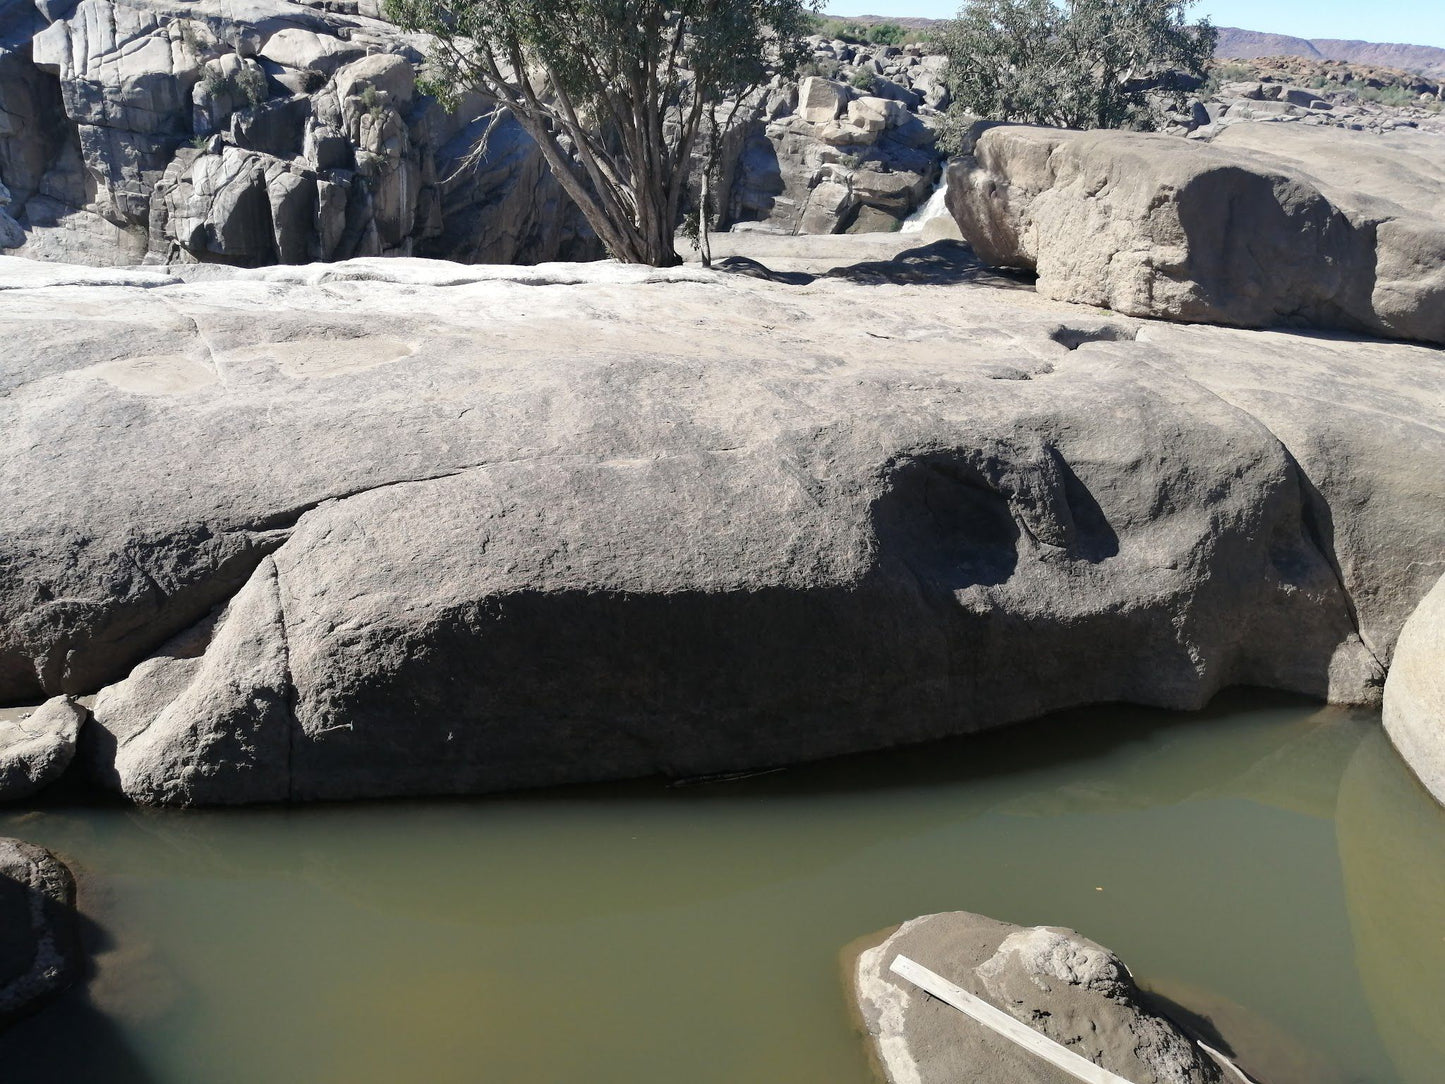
(36,748)
(40,952)
(426,528)
(1266,226)
(1414,707)
(1057,982)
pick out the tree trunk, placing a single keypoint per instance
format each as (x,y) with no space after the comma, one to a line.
(704,245)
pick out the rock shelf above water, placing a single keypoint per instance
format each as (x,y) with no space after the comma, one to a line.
(345,533)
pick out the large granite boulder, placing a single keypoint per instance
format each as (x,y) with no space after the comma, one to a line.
(1415,693)
(1062,985)
(40,949)
(36,747)
(255,133)
(395,526)
(1266,226)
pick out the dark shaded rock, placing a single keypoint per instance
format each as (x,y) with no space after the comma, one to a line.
(40,949)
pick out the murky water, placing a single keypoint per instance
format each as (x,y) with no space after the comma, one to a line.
(1265,863)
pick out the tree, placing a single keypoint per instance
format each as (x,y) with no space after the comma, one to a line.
(1072,63)
(617,94)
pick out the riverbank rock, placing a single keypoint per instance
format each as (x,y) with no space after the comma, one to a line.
(1415,693)
(40,952)
(1058,983)
(401,527)
(1263,227)
(35,749)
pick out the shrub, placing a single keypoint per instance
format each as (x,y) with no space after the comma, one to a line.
(837,30)
(218,85)
(886,34)
(1088,64)
(371,99)
(251,82)
(863,79)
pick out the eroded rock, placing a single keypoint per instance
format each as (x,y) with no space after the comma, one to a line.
(1263,228)
(662,537)
(1059,983)
(1415,693)
(37,747)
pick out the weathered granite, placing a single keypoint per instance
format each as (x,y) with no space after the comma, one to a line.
(1415,693)
(1265,226)
(434,530)
(36,747)
(253,133)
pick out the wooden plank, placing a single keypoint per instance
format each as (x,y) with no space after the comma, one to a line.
(1225,1062)
(1080,1068)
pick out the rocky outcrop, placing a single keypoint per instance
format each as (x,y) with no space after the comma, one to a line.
(1062,985)
(37,747)
(1263,227)
(413,544)
(1415,693)
(849,149)
(40,950)
(249,134)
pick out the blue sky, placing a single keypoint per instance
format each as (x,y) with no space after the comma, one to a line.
(1415,22)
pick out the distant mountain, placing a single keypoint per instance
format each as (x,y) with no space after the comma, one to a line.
(1248,44)
(907,22)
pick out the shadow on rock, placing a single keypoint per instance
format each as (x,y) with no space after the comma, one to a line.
(943,263)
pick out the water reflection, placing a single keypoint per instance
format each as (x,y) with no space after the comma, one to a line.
(1392,850)
(547,937)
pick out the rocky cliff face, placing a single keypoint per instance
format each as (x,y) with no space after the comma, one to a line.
(252,133)
(851,148)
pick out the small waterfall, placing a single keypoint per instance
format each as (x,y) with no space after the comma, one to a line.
(934,208)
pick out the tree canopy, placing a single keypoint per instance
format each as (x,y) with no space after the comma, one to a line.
(616,93)
(1071,63)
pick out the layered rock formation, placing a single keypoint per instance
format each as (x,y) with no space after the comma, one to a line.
(1415,693)
(450,532)
(1062,985)
(1262,227)
(268,132)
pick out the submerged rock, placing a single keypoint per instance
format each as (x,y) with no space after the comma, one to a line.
(40,950)
(1062,985)
(425,529)
(1415,693)
(35,749)
(1265,226)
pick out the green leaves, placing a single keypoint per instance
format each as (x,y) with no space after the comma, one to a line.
(614,91)
(1072,64)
